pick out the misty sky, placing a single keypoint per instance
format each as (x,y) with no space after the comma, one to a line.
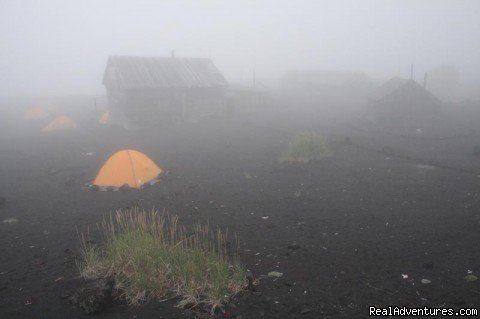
(61,47)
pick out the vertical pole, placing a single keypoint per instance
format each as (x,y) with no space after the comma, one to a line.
(96,108)
(425,81)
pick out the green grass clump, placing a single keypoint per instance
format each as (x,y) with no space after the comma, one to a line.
(150,257)
(306,147)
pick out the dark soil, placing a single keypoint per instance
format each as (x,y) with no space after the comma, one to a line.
(342,231)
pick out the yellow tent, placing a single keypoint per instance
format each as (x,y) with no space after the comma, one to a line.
(105,118)
(127,167)
(60,123)
(35,113)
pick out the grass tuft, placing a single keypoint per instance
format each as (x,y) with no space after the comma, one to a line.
(306,147)
(151,257)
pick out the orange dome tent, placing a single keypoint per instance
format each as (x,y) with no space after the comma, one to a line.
(105,118)
(60,123)
(127,167)
(35,113)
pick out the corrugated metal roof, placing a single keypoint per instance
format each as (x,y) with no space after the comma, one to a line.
(126,72)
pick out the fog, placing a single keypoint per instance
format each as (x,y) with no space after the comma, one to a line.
(239,159)
(61,47)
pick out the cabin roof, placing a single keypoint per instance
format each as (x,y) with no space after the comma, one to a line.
(399,86)
(128,72)
(387,88)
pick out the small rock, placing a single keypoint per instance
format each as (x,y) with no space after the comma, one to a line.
(11,220)
(470,278)
(305,310)
(250,279)
(275,274)
(426,281)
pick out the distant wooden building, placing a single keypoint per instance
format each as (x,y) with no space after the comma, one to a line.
(156,89)
(402,103)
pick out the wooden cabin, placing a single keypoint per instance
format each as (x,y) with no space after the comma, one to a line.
(150,90)
(403,104)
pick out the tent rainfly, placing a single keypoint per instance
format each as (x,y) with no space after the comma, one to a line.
(61,122)
(35,113)
(127,168)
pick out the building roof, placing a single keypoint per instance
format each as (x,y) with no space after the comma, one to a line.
(400,98)
(126,72)
(387,88)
